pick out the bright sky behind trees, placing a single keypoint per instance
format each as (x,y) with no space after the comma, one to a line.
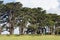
(52,6)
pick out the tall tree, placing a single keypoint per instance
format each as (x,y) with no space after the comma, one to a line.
(12,9)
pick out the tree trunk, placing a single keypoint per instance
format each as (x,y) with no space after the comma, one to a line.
(11,21)
(11,28)
(44,31)
(0,31)
(21,30)
(54,29)
(51,30)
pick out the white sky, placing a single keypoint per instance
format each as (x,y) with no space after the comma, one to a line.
(45,4)
(49,5)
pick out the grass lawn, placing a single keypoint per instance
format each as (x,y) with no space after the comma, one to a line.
(29,37)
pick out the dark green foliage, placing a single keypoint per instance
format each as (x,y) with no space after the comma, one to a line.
(19,16)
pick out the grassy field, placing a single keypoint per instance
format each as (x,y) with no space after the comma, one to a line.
(29,37)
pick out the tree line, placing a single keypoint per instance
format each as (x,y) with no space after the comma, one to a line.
(19,16)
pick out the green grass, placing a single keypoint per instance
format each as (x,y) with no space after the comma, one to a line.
(30,37)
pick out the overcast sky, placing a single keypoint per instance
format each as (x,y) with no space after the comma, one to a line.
(52,6)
